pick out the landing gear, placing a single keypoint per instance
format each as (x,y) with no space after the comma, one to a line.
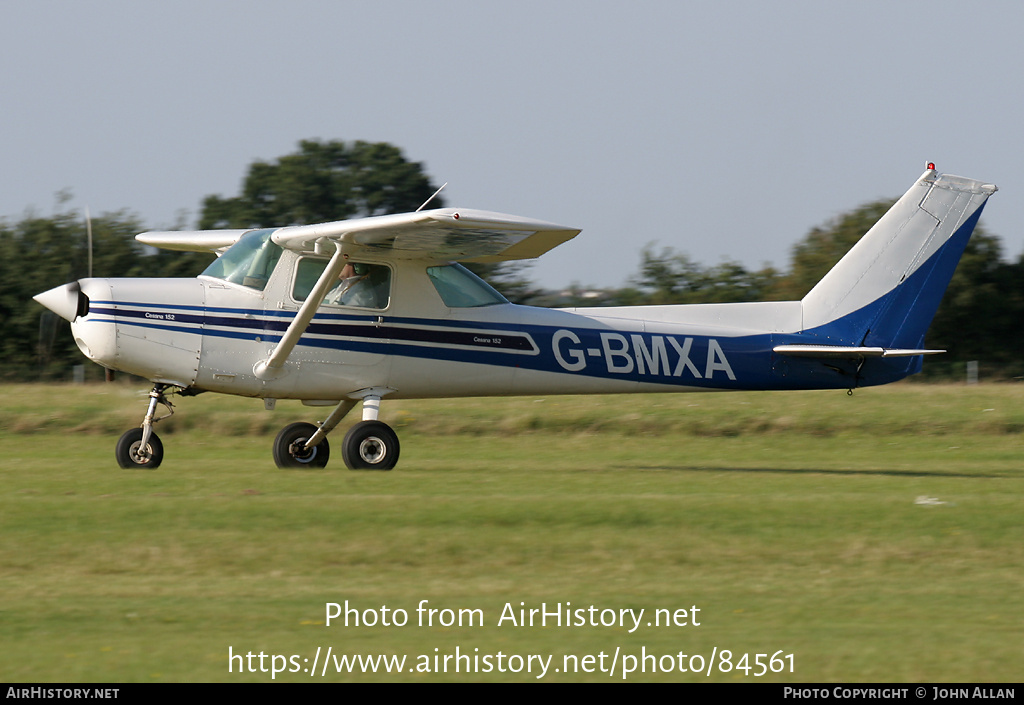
(140,448)
(133,455)
(290,449)
(370,445)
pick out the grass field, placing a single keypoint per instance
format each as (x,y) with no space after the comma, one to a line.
(877,537)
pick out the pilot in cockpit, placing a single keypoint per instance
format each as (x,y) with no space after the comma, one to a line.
(363,285)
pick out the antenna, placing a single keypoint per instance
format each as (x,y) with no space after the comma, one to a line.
(431,197)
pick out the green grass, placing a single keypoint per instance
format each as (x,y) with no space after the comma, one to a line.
(876,537)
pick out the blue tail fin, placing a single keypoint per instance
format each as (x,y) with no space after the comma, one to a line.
(886,290)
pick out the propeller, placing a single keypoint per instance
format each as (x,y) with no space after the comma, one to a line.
(88,238)
(69,301)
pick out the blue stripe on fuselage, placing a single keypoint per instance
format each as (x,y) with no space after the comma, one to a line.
(592,352)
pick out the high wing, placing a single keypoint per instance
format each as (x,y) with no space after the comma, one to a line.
(441,234)
(192,241)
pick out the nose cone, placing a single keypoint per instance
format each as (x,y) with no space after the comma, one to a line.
(66,301)
(95,335)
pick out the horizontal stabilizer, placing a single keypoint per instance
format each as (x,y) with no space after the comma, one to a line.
(847,351)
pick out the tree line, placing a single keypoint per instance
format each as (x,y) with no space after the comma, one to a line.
(979,319)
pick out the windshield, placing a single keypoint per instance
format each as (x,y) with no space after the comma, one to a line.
(460,288)
(248,262)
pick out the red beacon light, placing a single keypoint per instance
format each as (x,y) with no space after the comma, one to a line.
(931,166)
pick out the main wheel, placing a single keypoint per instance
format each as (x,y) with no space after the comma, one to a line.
(129,451)
(290,453)
(370,445)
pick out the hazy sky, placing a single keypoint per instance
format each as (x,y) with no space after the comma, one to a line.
(724,130)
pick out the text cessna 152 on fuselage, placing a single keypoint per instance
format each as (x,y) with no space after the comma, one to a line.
(361,310)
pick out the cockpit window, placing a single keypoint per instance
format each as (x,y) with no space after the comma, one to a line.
(359,284)
(460,288)
(248,262)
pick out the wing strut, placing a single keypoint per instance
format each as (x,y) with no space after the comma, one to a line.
(273,366)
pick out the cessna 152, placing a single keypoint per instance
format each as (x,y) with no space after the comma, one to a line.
(358,310)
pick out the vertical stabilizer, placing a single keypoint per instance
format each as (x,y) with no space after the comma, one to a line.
(885,291)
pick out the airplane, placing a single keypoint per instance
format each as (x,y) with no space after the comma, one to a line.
(352,312)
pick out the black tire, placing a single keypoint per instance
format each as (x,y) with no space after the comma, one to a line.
(370,445)
(288,452)
(127,451)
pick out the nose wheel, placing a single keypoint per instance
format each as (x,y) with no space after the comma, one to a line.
(140,448)
(133,454)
